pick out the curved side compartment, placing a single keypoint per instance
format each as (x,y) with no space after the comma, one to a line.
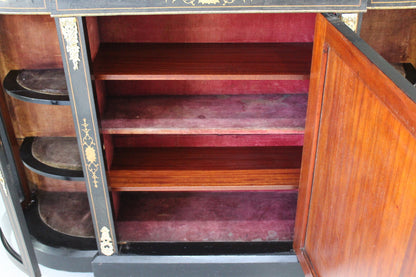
(57,250)
(38,86)
(44,169)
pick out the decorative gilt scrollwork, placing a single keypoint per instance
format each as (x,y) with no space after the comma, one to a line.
(89,148)
(205,2)
(3,184)
(106,243)
(69,31)
(351,20)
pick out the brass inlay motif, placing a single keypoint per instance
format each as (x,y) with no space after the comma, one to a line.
(88,146)
(3,184)
(351,20)
(106,243)
(205,2)
(69,31)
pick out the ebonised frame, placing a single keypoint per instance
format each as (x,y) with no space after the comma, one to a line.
(17,91)
(43,169)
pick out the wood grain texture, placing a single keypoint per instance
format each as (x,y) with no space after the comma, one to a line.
(27,41)
(409,268)
(31,42)
(362,207)
(39,182)
(237,114)
(163,169)
(41,120)
(206,140)
(93,34)
(391,34)
(311,134)
(198,61)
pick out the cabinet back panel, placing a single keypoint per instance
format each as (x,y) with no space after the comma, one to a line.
(391,34)
(206,140)
(208,28)
(31,42)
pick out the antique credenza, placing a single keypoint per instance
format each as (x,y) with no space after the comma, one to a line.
(208,137)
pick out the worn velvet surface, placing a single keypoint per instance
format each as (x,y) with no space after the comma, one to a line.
(180,216)
(207,216)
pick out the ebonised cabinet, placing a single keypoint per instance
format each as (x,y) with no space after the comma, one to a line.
(192,140)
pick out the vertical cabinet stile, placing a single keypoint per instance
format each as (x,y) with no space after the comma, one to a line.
(75,63)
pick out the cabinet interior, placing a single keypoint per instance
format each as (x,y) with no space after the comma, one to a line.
(201,116)
(30,42)
(202,109)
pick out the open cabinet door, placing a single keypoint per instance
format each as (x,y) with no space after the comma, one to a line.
(23,255)
(357,199)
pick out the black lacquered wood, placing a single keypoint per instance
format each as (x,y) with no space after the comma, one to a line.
(10,191)
(43,169)
(24,6)
(14,89)
(206,248)
(391,4)
(46,235)
(102,7)
(80,89)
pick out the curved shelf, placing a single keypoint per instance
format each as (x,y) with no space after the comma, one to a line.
(57,250)
(39,167)
(38,86)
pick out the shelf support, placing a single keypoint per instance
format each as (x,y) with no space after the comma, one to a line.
(75,61)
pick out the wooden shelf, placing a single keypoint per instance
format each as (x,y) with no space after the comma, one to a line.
(52,157)
(38,86)
(225,114)
(203,61)
(199,168)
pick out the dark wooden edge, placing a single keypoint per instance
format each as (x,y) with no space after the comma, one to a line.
(68,7)
(46,235)
(43,169)
(391,4)
(78,8)
(24,7)
(15,90)
(206,248)
(207,265)
(56,250)
(63,258)
(410,71)
(10,187)
(9,249)
(84,113)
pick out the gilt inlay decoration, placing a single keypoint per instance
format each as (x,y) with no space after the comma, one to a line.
(106,243)
(89,148)
(69,31)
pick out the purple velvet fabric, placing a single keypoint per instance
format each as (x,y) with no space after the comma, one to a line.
(207,216)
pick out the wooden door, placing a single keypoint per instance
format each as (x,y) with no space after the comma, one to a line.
(357,200)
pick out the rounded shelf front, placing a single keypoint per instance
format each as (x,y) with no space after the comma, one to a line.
(54,157)
(46,86)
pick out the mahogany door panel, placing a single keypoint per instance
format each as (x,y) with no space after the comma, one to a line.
(357,199)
